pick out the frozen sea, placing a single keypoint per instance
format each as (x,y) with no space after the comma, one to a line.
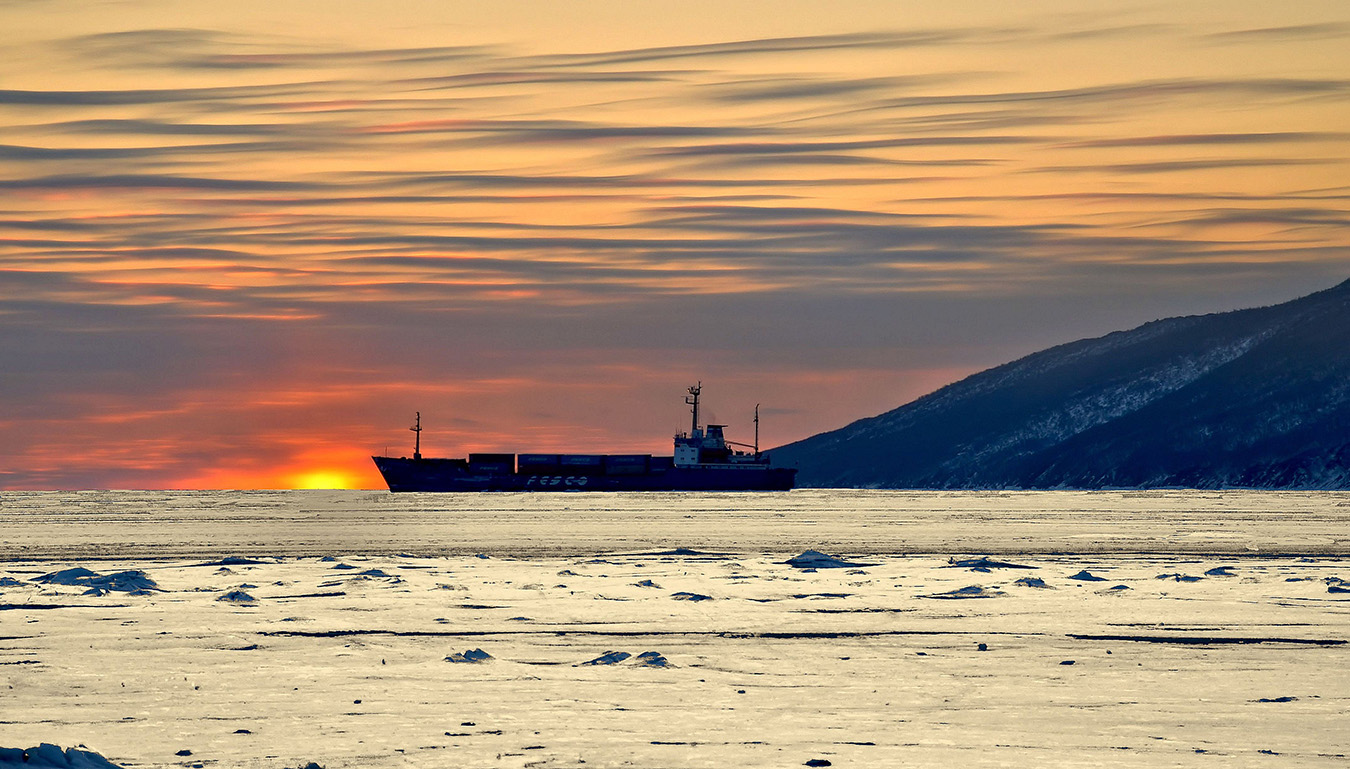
(366,629)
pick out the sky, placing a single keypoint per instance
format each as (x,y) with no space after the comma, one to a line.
(242,244)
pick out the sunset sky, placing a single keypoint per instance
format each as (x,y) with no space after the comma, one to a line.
(242,243)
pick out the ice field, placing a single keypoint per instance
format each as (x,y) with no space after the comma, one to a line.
(364,629)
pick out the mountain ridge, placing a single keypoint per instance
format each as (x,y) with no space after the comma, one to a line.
(1258,397)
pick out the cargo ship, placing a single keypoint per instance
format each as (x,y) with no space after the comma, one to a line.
(703,460)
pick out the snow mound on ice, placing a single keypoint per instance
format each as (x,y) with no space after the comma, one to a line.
(652,660)
(234,560)
(645,659)
(48,756)
(1179,577)
(472,655)
(134,582)
(1033,582)
(608,658)
(685,596)
(970,591)
(984,563)
(74,576)
(1087,576)
(814,559)
(238,596)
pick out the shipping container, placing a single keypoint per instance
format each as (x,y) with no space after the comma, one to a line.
(536,460)
(493,463)
(476,458)
(581,460)
(627,464)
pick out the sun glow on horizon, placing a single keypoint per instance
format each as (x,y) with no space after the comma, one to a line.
(323,479)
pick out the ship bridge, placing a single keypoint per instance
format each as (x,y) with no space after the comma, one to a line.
(708,447)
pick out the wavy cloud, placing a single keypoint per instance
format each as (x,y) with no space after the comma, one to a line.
(213,231)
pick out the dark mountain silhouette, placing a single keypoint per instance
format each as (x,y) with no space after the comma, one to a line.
(1252,398)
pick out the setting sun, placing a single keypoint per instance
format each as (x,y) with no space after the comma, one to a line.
(322,479)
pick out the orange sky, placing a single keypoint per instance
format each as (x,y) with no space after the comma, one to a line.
(241,248)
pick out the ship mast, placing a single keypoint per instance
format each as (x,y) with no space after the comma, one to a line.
(417,443)
(756,431)
(692,400)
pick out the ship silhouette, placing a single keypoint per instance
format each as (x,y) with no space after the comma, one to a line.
(702,460)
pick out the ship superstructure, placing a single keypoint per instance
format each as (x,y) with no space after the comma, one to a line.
(703,460)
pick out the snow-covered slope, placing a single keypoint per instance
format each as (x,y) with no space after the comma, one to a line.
(1257,398)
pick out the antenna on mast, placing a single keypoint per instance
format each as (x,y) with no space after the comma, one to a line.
(756,431)
(692,400)
(417,430)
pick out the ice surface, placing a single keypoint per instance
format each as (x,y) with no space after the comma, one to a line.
(78,528)
(855,667)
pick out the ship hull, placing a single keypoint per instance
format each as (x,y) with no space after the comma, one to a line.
(425,474)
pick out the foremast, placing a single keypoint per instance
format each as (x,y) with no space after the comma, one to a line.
(417,443)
